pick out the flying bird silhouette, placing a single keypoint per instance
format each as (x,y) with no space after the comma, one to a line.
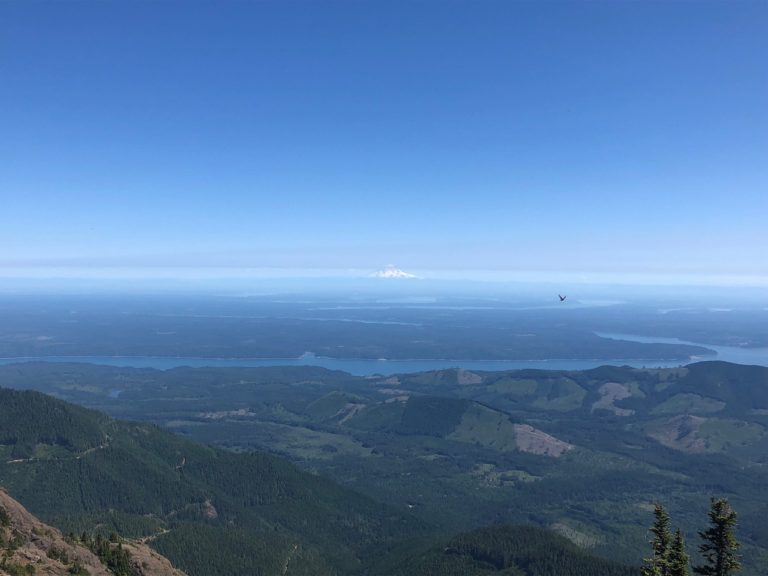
(562,298)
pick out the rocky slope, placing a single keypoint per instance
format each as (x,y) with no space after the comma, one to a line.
(28,546)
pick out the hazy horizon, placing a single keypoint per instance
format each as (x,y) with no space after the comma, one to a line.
(442,285)
(559,141)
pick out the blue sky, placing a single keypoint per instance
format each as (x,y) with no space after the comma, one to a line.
(590,139)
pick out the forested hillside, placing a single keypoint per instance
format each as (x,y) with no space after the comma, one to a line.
(80,469)
(508,550)
(28,546)
(582,453)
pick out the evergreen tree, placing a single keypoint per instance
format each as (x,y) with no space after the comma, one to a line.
(720,544)
(678,556)
(658,563)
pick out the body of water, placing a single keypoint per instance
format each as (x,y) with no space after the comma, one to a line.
(367,367)
(736,354)
(358,367)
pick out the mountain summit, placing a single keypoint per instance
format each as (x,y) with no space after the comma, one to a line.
(391,271)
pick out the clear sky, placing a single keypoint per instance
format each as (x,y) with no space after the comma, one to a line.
(604,138)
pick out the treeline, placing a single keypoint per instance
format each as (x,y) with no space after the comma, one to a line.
(110,552)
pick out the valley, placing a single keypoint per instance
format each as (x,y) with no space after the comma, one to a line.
(584,454)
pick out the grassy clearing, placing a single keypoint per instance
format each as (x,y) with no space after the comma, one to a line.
(562,395)
(720,435)
(306,444)
(486,427)
(514,387)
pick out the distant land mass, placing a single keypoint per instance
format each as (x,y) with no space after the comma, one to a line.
(391,328)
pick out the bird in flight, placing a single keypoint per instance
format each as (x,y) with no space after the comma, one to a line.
(562,298)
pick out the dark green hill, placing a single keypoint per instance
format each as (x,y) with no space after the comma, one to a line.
(511,551)
(740,387)
(31,420)
(432,415)
(79,468)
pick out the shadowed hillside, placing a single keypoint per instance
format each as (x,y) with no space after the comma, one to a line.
(77,468)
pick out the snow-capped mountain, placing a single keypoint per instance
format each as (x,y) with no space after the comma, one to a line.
(392,272)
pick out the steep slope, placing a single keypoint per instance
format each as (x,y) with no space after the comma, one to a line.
(28,546)
(76,468)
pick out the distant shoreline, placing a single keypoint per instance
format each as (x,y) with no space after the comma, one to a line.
(388,366)
(358,367)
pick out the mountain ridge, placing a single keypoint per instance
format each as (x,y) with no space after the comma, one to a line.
(145,481)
